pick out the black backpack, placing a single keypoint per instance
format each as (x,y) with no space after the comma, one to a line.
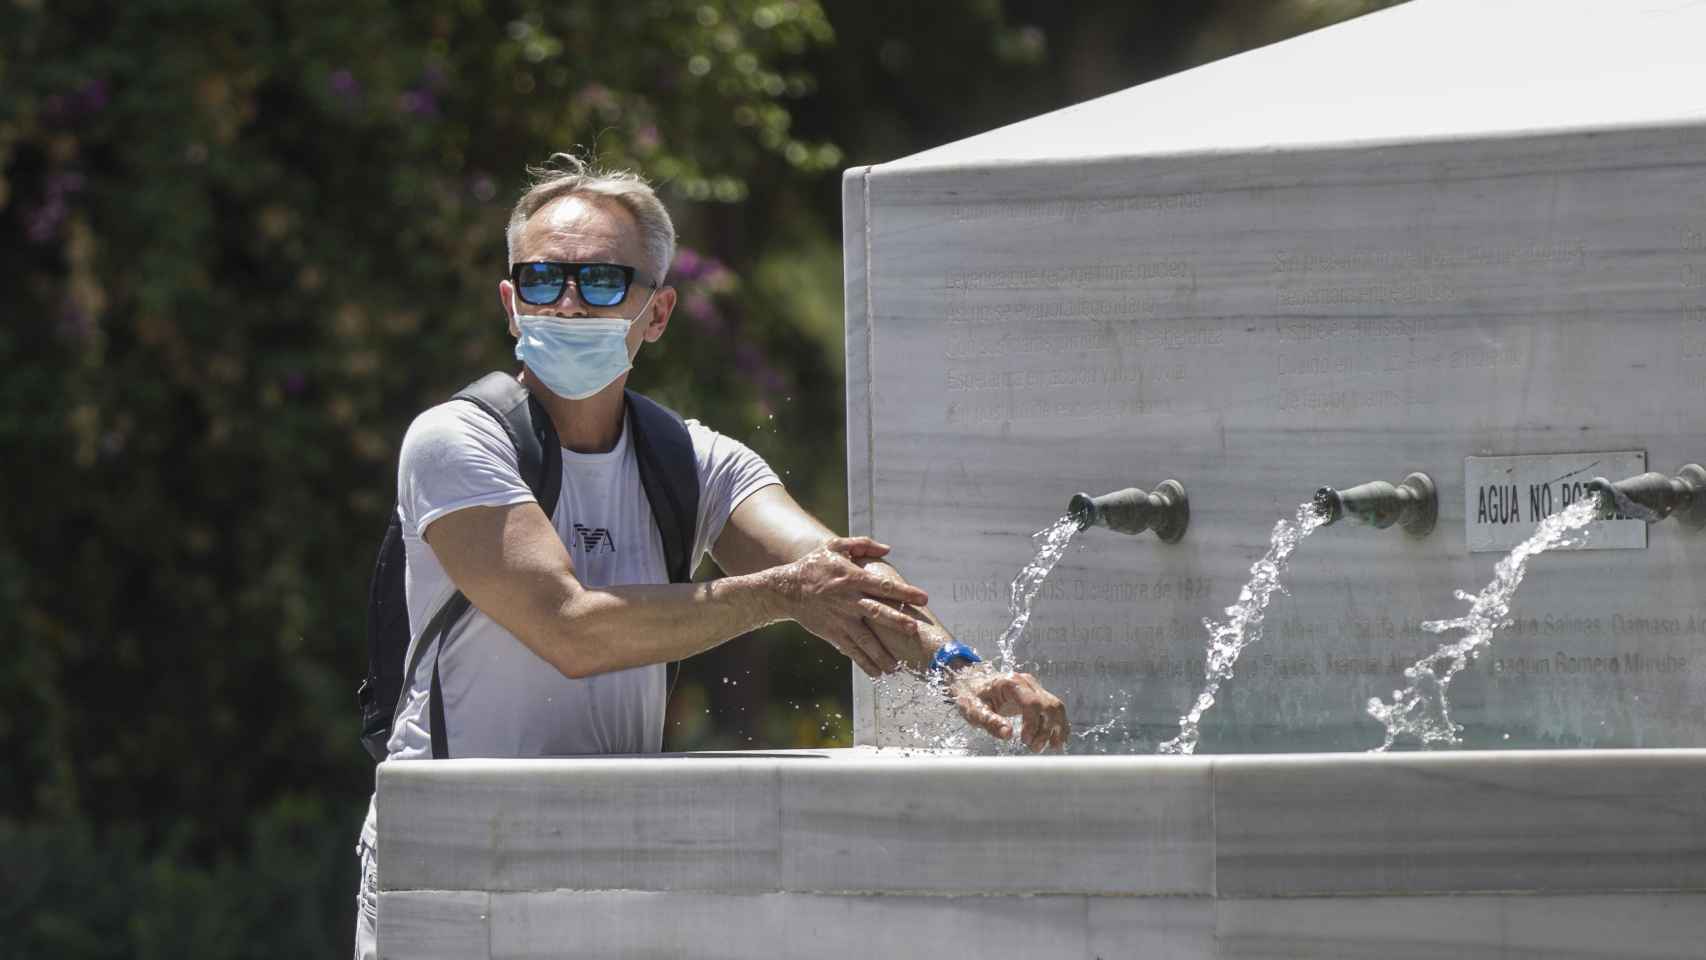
(669,473)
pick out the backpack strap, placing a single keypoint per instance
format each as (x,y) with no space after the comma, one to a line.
(540,458)
(523,417)
(438,629)
(669,472)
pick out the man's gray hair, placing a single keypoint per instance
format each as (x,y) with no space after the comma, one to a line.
(568,175)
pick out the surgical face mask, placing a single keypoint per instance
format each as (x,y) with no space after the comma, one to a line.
(575,358)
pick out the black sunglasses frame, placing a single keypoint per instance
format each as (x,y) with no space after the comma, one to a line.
(572,271)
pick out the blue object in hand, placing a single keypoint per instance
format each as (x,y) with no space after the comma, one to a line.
(953,651)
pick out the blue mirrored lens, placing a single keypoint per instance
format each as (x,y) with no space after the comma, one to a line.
(602,284)
(540,283)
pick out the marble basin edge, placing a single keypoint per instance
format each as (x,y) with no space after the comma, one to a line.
(865,821)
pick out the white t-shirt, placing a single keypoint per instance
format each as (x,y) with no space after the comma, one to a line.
(500,698)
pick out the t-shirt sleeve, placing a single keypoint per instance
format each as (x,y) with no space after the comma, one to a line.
(455,456)
(729,472)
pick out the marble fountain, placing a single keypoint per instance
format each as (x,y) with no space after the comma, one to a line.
(1465,238)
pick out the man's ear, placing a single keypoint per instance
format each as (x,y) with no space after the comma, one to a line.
(662,306)
(506,299)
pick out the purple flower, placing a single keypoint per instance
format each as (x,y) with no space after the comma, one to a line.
(646,138)
(702,312)
(75,324)
(64,184)
(93,95)
(717,276)
(294,383)
(596,95)
(418,102)
(483,188)
(344,84)
(88,98)
(687,265)
(45,220)
(749,360)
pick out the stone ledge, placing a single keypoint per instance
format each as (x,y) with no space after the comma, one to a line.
(864,821)
(639,923)
(1455,823)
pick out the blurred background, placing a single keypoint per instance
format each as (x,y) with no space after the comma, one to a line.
(244,242)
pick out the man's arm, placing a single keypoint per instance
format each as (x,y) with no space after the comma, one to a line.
(511,564)
(769,528)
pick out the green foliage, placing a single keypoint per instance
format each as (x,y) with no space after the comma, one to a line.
(70,890)
(245,262)
(245,243)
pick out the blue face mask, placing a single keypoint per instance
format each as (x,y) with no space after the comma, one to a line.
(575,358)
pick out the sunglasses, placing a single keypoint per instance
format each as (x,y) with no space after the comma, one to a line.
(541,282)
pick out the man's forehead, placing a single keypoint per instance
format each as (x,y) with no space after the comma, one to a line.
(578,227)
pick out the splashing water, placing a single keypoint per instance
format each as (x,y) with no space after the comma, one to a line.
(917,709)
(1420,709)
(1243,623)
(1051,542)
(1115,734)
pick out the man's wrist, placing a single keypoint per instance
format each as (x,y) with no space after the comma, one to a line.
(965,678)
(762,597)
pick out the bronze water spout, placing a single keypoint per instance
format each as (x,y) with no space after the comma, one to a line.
(1411,503)
(1658,496)
(1166,510)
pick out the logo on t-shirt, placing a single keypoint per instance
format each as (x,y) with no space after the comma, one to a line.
(595,539)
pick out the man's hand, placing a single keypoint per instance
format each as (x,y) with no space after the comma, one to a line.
(831,594)
(985,698)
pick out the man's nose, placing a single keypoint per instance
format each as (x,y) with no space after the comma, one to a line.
(570,304)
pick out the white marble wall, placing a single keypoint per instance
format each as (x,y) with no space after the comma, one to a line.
(860,853)
(1257,323)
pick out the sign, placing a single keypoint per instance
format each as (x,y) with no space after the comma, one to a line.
(1504,497)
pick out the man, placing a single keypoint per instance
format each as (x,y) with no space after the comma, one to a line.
(564,653)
